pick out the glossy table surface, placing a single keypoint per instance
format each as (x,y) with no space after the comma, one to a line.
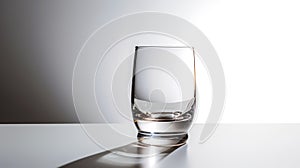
(231,145)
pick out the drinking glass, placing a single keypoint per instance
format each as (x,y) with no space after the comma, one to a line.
(163,94)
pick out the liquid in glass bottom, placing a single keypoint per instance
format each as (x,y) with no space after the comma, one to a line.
(163,123)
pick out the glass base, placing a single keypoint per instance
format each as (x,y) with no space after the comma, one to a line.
(162,139)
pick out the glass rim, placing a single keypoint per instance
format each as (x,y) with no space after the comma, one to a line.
(156,46)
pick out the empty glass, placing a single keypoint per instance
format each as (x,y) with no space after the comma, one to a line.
(163,93)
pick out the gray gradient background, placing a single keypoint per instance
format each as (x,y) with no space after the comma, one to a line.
(39,42)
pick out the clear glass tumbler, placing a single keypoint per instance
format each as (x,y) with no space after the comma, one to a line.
(163,94)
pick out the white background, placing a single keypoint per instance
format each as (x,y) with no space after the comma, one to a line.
(258,44)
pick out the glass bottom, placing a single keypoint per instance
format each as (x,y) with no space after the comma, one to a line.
(162,139)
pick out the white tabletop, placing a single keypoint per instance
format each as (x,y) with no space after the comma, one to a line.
(232,145)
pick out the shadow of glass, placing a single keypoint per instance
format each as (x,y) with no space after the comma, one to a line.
(133,155)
